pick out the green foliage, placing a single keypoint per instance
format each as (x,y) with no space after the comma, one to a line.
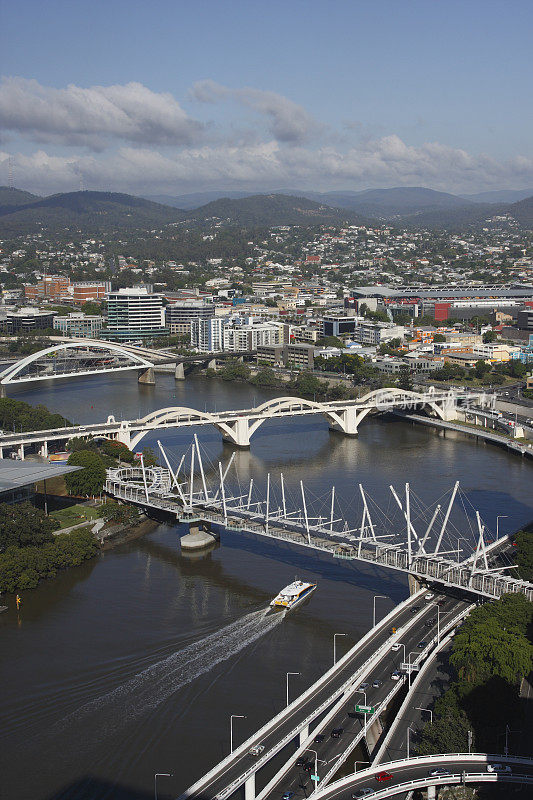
(330,341)
(117,450)
(81,443)
(88,481)
(149,457)
(489,336)
(17,415)
(234,370)
(265,377)
(439,337)
(120,513)
(92,308)
(22,525)
(481,368)
(404,379)
(524,554)
(22,568)
(493,642)
(448,733)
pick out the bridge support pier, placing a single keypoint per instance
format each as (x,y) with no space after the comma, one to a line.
(147,377)
(240,433)
(414,585)
(43,451)
(212,364)
(179,372)
(372,735)
(349,422)
(2,390)
(432,792)
(21,452)
(249,788)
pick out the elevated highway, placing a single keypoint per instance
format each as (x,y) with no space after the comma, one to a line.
(415,773)
(297,723)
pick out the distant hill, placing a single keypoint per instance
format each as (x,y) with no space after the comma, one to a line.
(195,199)
(523,212)
(499,196)
(272,209)
(88,212)
(15,197)
(394,203)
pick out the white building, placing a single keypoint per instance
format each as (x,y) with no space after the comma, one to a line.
(234,335)
(134,313)
(79,325)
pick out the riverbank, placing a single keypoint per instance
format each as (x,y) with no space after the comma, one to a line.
(121,534)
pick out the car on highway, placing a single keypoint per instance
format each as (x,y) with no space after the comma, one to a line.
(415,609)
(381,777)
(422,644)
(364,792)
(302,761)
(396,675)
(256,750)
(336,733)
(363,686)
(376,684)
(395,647)
(319,737)
(498,767)
(430,622)
(435,773)
(429,596)
(287,796)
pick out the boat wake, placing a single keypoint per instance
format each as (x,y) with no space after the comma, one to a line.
(155,684)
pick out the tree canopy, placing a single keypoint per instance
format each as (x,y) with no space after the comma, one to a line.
(90,480)
(23,525)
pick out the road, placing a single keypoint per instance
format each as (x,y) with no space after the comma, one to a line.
(324,691)
(297,779)
(402,773)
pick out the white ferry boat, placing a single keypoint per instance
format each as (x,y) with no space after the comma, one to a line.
(293,594)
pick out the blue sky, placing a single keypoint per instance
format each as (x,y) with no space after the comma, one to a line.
(178,96)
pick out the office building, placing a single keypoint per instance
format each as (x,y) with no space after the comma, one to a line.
(134,314)
(79,325)
(178,316)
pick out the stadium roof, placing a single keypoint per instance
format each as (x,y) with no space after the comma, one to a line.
(14,474)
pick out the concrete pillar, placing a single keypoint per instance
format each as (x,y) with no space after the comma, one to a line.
(43,452)
(212,364)
(147,377)
(240,433)
(21,452)
(302,736)
(349,422)
(1,452)
(414,585)
(2,390)
(373,733)
(249,788)
(124,436)
(179,372)
(432,792)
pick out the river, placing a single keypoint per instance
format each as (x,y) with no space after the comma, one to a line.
(133,663)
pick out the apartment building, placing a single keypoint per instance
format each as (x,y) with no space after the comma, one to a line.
(134,314)
(79,325)
(178,316)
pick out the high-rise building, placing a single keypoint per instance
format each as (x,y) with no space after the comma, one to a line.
(134,314)
(178,316)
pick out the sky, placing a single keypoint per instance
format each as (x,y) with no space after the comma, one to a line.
(177,96)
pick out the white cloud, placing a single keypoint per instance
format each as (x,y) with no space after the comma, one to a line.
(387,161)
(89,117)
(289,122)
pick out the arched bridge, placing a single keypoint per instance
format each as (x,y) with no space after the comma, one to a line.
(74,359)
(238,425)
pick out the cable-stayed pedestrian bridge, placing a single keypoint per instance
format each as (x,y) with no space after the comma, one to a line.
(237,426)
(434,543)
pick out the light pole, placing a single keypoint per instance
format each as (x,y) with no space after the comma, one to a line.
(232,717)
(409,663)
(159,775)
(334,646)
(382,596)
(355,763)
(289,673)
(498,518)
(409,729)
(429,711)
(308,749)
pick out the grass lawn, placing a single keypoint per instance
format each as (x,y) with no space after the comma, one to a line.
(73,515)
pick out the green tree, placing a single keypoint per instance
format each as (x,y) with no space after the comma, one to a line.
(448,733)
(235,370)
(404,379)
(439,337)
(265,377)
(149,457)
(489,336)
(88,481)
(524,554)
(481,368)
(23,525)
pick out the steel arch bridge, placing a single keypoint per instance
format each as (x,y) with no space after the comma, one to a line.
(70,359)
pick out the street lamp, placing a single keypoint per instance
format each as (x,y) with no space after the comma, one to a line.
(232,717)
(355,763)
(160,775)
(382,596)
(429,711)
(289,673)
(334,646)
(409,663)
(498,518)
(409,729)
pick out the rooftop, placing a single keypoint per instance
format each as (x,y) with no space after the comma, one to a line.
(14,474)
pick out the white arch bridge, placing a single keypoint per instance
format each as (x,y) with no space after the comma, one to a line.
(237,426)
